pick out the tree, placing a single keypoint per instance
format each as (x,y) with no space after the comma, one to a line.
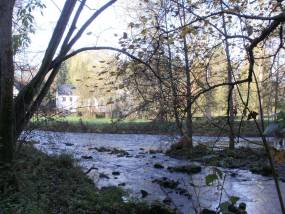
(63,75)
(15,114)
(7,117)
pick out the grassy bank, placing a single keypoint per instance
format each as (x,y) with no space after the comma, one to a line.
(105,126)
(41,184)
(214,127)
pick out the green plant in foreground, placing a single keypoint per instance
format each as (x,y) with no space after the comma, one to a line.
(42,184)
(217,179)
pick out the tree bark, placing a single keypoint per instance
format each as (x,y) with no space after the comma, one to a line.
(189,125)
(7,140)
(230,112)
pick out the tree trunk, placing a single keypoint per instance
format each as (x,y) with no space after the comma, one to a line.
(276,92)
(7,140)
(29,93)
(189,125)
(230,112)
(208,104)
(172,80)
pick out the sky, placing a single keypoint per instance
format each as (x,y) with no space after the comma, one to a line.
(112,21)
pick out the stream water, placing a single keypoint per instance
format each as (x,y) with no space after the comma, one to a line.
(136,172)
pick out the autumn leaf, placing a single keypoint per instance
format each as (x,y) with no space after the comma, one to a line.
(143,32)
(278,155)
(186,30)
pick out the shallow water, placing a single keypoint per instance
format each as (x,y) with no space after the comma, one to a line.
(137,171)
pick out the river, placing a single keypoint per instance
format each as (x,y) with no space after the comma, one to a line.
(135,170)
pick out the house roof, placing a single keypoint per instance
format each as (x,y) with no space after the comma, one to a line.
(66,89)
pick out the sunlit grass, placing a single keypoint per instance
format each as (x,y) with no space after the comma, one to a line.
(201,125)
(89,120)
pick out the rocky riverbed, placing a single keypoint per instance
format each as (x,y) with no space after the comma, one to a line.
(137,164)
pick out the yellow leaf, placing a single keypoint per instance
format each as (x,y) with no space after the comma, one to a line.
(185,31)
(278,155)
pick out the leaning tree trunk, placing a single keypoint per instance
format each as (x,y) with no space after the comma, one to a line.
(7,140)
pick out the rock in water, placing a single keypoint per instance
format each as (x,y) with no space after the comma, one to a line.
(189,169)
(116,173)
(102,175)
(207,211)
(158,166)
(86,157)
(144,193)
(167,201)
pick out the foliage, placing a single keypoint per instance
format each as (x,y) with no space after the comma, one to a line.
(254,160)
(217,179)
(281,119)
(24,21)
(63,76)
(96,83)
(56,184)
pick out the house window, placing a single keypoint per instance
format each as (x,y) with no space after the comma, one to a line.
(70,98)
(63,99)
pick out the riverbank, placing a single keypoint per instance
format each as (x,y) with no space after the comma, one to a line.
(40,183)
(214,127)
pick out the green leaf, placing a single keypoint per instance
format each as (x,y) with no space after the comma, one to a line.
(234,199)
(224,207)
(210,179)
(218,172)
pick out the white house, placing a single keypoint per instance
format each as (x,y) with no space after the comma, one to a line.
(15,91)
(66,100)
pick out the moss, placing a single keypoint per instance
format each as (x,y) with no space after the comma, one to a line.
(189,169)
(264,170)
(254,160)
(166,183)
(179,151)
(55,184)
(112,151)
